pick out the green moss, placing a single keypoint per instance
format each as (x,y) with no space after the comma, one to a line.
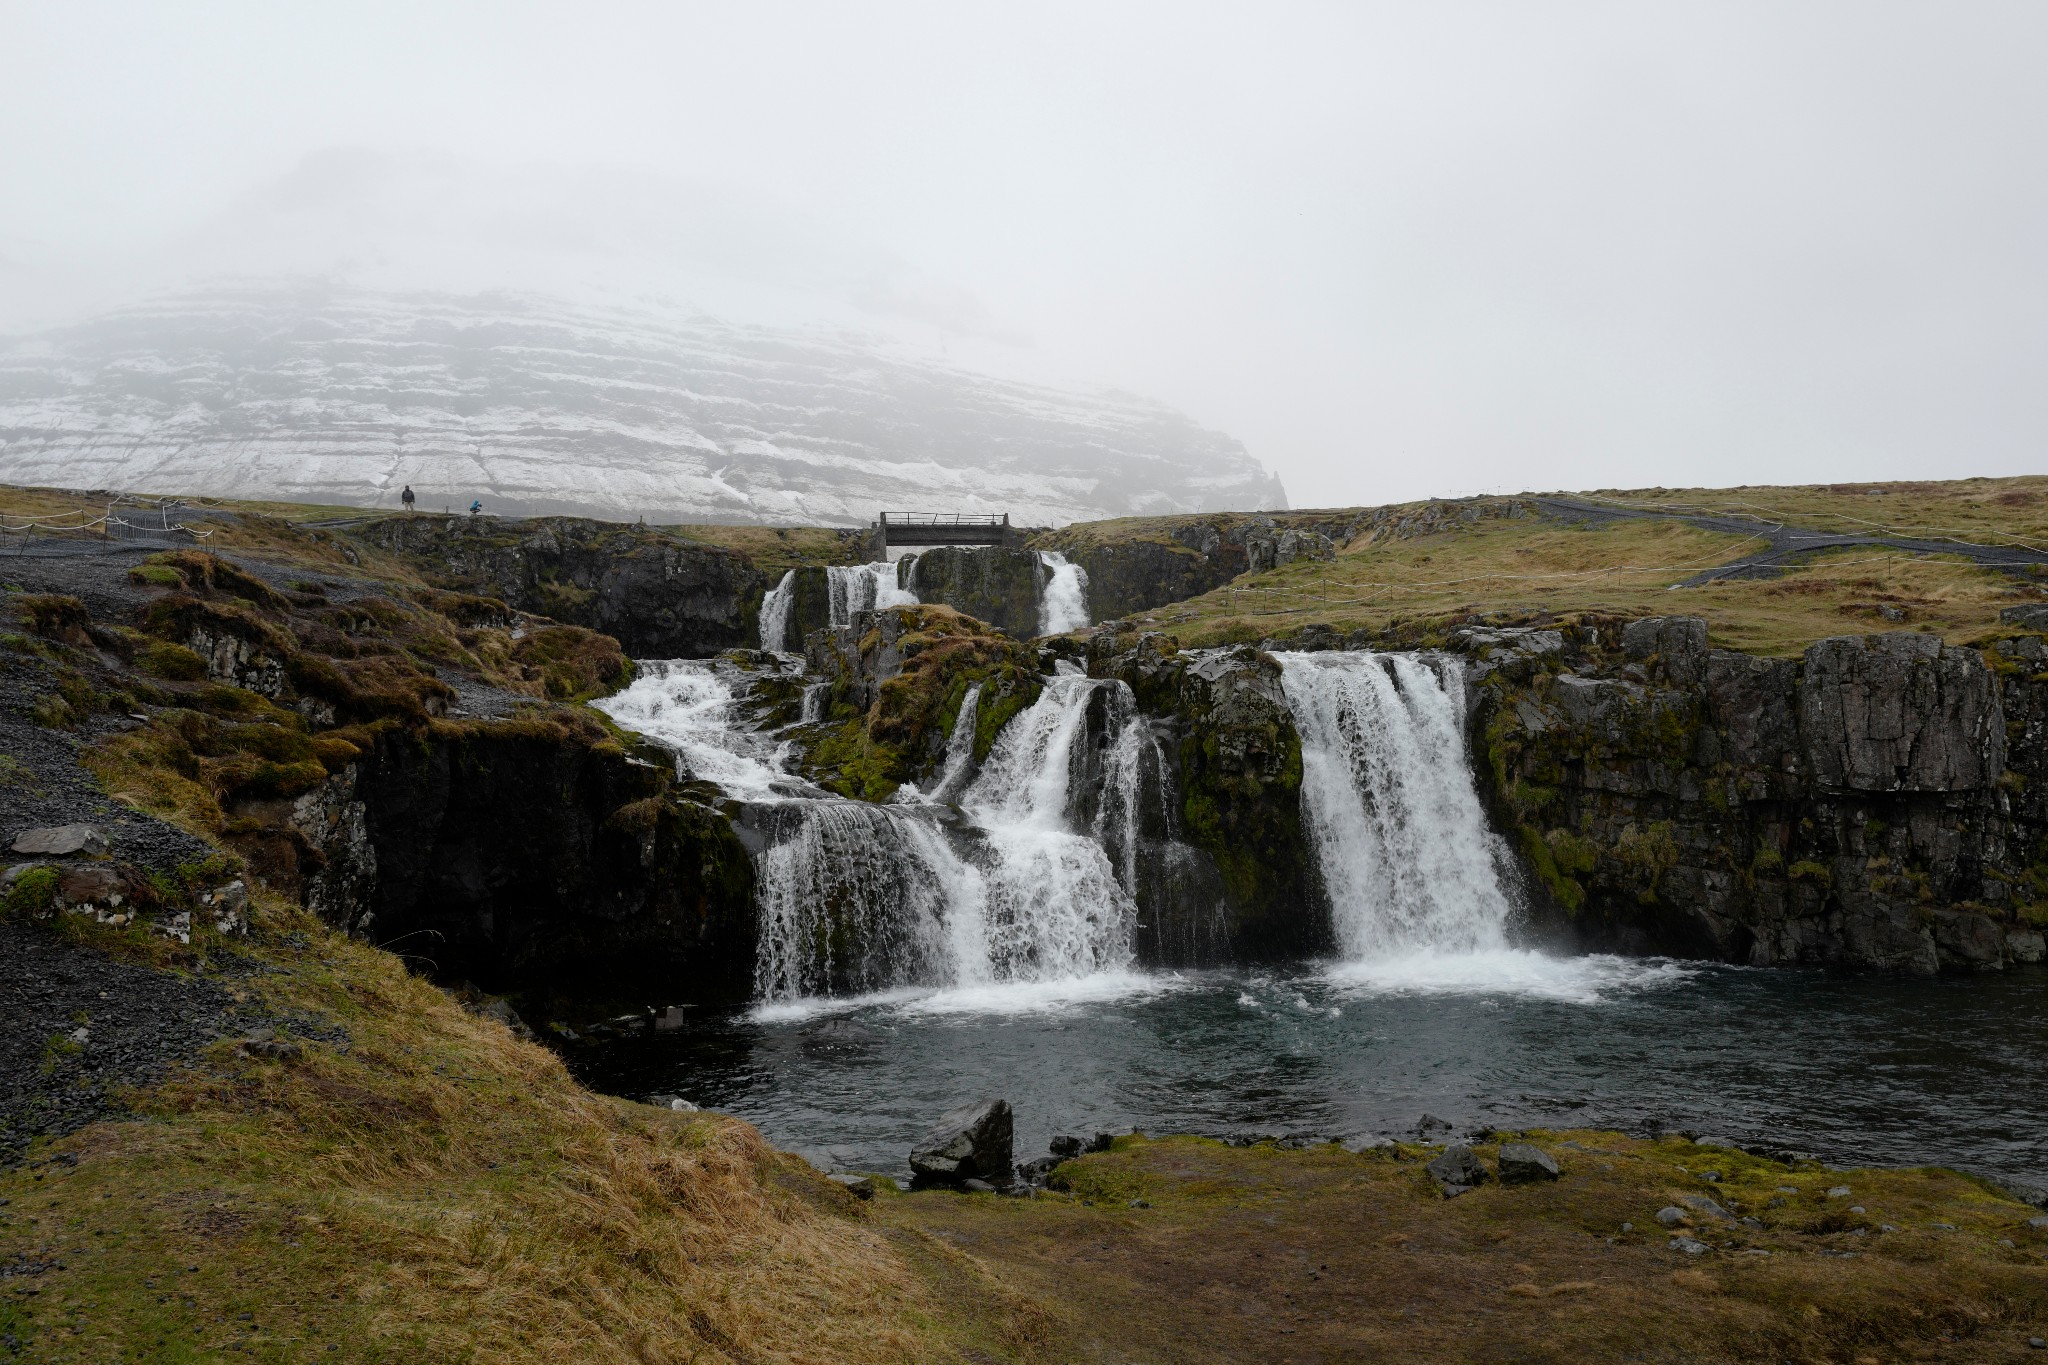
(1804,871)
(171,662)
(1563,888)
(33,892)
(1768,862)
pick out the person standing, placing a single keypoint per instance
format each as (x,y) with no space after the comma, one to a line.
(406,497)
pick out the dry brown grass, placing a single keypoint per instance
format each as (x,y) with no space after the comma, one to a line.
(435,1190)
(1532,568)
(1264,1255)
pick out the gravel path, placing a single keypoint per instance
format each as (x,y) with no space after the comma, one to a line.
(1786,545)
(81,1027)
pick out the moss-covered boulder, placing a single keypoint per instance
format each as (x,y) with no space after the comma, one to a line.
(1237,779)
(896,681)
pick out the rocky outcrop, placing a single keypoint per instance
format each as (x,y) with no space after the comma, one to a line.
(971,1143)
(989,583)
(527,858)
(894,684)
(1235,775)
(659,596)
(1878,802)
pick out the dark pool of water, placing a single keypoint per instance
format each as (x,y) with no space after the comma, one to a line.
(1854,1069)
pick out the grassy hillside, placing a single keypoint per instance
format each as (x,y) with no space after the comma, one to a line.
(1532,568)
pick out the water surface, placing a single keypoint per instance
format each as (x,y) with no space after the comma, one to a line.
(1854,1069)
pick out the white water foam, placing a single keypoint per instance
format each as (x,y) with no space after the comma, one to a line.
(687,707)
(1589,980)
(997,998)
(1400,838)
(1055,907)
(1062,595)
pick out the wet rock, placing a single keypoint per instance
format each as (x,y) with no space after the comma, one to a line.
(1522,1164)
(63,841)
(969,1142)
(859,1186)
(1034,1172)
(1429,1125)
(1458,1166)
(1064,1147)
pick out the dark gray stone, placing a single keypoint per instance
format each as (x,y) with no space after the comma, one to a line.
(970,1142)
(1522,1164)
(1458,1166)
(62,841)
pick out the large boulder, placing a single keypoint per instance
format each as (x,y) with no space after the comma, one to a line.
(1523,1164)
(1458,1168)
(62,841)
(991,583)
(971,1142)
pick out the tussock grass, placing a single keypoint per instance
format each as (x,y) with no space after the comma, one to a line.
(1530,569)
(1263,1254)
(419,1185)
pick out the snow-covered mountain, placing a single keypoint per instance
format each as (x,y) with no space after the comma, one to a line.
(345,395)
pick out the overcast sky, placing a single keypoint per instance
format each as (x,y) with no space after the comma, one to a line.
(1396,249)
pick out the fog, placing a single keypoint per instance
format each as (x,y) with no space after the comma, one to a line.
(1397,250)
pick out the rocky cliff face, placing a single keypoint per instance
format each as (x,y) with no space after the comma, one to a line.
(990,583)
(1878,802)
(659,597)
(528,858)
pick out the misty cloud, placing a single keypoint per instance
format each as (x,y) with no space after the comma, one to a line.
(1396,250)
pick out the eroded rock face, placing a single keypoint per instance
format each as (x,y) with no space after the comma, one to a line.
(990,583)
(970,1142)
(1235,781)
(531,863)
(1877,802)
(660,597)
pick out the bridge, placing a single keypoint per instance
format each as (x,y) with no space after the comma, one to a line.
(941,528)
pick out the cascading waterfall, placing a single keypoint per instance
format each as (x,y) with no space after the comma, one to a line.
(849,590)
(1062,595)
(1055,907)
(855,588)
(774,618)
(1400,838)
(855,897)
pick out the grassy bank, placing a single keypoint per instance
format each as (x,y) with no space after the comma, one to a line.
(1190,1251)
(411,1183)
(1532,568)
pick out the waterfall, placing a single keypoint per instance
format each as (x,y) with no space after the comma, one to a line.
(1055,907)
(774,618)
(959,746)
(855,588)
(1387,793)
(855,897)
(1062,595)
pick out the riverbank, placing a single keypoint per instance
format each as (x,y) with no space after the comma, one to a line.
(1191,1251)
